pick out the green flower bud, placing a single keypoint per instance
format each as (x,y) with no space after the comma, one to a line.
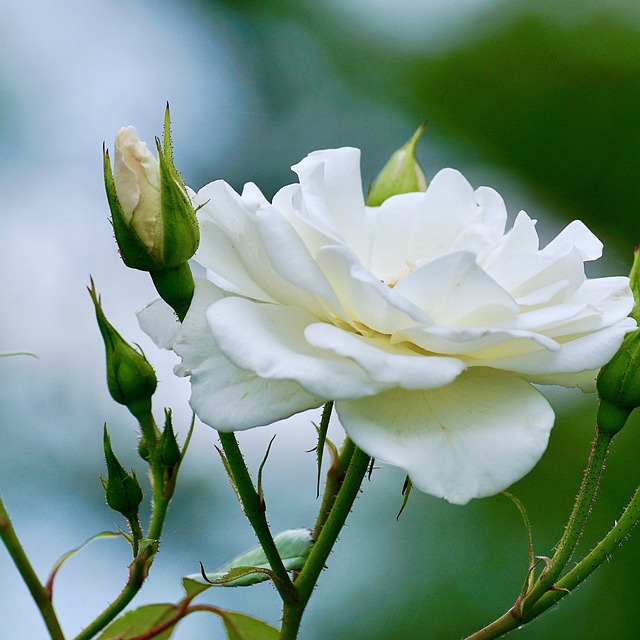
(122,489)
(618,382)
(130,378)
(154,222)
(401,174)
(168,450)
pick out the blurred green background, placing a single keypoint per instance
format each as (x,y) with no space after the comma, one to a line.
(539,100)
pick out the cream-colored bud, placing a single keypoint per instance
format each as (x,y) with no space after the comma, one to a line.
(136,174)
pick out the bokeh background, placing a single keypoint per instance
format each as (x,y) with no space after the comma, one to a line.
(538,99)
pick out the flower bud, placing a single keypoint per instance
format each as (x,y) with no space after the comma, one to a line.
(122,489)
(619,380)
(401,174)
(154,222)
(168,450)
(130,378)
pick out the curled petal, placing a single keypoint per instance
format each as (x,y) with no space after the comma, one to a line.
(392,367)
(269,340)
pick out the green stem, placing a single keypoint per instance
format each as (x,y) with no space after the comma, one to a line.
(138,571)
(39,593)
(139,568)
(136,534)
(306,580)
(577,520)
(252,507)
(335,478)
(545,587)
(601,552)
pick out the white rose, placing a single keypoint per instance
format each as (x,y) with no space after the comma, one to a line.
(421,318)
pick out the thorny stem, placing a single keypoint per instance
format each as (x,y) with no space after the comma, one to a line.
(253,509)
(139,569)
(329,531)
(545,589)
(335,478)
(577,520)
(628,520)
(39,593)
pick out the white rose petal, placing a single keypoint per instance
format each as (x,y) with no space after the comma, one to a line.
(423,319)
(223,395)
(458,442)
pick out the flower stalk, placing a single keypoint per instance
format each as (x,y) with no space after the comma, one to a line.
(308,576)
(253,509)
(576,523)
(547,589)
(40,595)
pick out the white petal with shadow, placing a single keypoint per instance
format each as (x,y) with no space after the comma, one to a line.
(469,439)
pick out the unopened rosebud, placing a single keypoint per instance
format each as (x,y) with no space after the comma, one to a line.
(130,378)
(401,174)
(122,489)
(168,450)
(154,222)
(619,380)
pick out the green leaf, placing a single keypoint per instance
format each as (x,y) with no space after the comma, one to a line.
(240,626)
(235,574)
(294,547)
(142,620)
(70,554)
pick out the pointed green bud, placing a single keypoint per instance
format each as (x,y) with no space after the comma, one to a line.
(402,174)
(168,450)
(130,378)
(122,489)
(619,380)
(154,222)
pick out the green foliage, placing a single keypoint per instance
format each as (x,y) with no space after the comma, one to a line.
(240,626)
(139,621)
(293,546)
(70,554)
